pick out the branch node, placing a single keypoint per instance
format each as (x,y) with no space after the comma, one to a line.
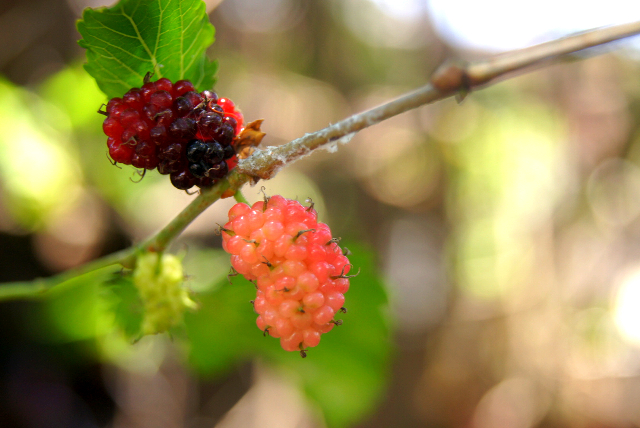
(450,76)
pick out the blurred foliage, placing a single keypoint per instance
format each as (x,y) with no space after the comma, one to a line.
(36,163)
(136,37)
(505,175)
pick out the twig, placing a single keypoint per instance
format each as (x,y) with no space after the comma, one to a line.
(126,258)
(451,78)
(201,202)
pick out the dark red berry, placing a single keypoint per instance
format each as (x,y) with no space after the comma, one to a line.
(164,84)
(149,127)
(112,127)
(133,99)
(182,106)
(183,128)
(158,135)
(181,87)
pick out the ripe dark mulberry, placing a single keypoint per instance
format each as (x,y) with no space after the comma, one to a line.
(186,134)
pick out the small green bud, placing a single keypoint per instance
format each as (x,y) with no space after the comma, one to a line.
(159,279)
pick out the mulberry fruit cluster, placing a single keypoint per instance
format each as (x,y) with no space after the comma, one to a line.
(170,126)
(298,268)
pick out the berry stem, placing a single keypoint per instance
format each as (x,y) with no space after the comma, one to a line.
(240,197)
(163,238)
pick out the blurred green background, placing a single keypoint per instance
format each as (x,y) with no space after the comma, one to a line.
(505,229)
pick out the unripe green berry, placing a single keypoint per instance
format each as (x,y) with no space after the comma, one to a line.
(159,279)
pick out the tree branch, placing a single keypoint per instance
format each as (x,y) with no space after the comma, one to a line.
(454,77)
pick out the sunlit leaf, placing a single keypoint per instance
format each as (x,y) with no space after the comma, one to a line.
(37,164)
(74,92)
(165,37)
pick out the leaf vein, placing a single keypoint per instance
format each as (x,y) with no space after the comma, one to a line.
(142,42)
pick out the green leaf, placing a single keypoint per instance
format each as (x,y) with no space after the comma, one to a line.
(223,331)
(166,37)
(344,375)
(124,301)
(76,309)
